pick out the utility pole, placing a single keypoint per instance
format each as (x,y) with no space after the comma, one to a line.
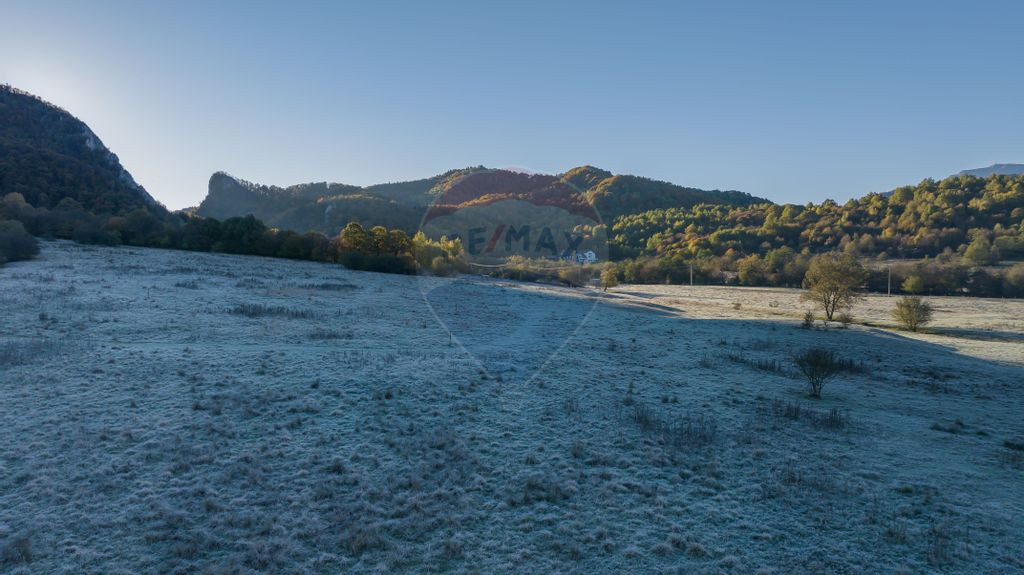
(691,274)
(888,287)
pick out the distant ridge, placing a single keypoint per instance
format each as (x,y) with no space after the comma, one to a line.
(327,207)
(994,169)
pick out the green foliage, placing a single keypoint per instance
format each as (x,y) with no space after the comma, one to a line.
(440,257)
(913,284)
(751,271)
(980,251)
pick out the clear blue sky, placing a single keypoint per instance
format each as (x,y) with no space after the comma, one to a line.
(795,101)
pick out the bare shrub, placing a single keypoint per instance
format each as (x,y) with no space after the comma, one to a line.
(818,365)
(913,313)
(845,319)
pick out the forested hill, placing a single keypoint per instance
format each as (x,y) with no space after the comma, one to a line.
(982,218)
(328,207)
(47,155)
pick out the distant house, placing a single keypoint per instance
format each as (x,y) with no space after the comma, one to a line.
(587,257)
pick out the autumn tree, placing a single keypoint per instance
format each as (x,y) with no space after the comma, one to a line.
(609,278)
(378,240)
(353,239)
(832,280)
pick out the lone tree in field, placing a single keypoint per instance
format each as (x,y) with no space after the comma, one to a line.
(609,278)
(913,312)
(818,366)
(832,280)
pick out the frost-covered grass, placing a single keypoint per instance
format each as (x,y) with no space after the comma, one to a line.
(339,428)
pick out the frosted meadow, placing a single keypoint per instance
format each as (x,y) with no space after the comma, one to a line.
(182,412)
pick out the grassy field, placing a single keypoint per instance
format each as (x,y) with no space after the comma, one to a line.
(170,412)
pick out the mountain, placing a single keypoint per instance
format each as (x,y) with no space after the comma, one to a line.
(324,207)
(995,169)
(327,207)
(47,155)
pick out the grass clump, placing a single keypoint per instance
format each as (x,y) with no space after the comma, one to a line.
(686,431)
(329,334)
(261,310)
(330,286)
(833,418)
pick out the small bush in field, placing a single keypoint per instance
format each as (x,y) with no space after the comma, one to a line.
(913,312)
(808,322)
(818,365)
(845,318)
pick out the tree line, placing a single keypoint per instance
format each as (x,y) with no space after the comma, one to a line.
(374,249)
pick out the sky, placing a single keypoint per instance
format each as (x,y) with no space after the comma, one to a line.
(793,101)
